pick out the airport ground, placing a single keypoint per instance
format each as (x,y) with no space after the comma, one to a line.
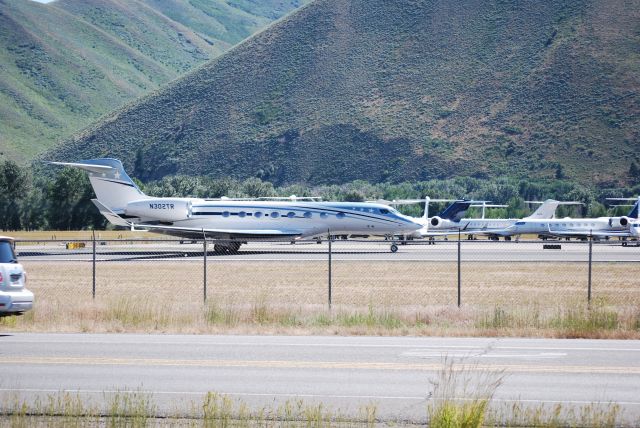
(507,288)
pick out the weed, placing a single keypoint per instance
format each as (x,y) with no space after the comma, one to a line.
(594,415)
(131,409)
(461,395)
(582,320)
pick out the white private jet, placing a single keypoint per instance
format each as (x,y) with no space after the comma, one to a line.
(601,227)
(451,220)
(454,212)
(233,222)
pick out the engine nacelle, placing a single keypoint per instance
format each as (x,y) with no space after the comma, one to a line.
(164,209)
(436,221)
(619,221)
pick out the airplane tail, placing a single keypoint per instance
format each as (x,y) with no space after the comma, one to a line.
(545,211)
(111,184)
(455,211)
(634,210)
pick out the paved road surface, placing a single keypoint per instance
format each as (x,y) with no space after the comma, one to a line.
(342,372)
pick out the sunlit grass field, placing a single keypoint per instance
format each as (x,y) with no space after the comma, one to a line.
(380,297)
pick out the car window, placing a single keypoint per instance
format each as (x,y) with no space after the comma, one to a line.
(6,252)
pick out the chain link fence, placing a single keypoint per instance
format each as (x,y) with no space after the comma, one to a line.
(336,273)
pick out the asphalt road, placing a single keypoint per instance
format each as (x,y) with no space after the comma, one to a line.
(345,250)
(343,372)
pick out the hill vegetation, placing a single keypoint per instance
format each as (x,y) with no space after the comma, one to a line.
(381,91)
(66,63)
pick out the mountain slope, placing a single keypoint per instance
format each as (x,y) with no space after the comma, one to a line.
(409,89)
(66,63)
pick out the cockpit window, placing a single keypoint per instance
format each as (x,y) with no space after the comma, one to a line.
(384,211)
(519,223)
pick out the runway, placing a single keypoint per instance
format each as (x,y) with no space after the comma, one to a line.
(484,251)
(394,373)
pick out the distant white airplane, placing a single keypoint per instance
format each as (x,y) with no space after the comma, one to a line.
(601,227)
(452,220)
(232,221)
(452,213)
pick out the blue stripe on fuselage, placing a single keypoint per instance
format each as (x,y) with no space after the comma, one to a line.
(346,212)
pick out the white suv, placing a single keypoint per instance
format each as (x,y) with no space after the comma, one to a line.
(14,297)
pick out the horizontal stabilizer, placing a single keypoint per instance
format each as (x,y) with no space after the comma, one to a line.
(113,218)
(86,166)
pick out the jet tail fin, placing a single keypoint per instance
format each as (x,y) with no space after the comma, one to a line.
(456,210)
(111,184)
(546,210)
(634,210)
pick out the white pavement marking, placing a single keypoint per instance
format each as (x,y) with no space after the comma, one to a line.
(481,354)
(58,340)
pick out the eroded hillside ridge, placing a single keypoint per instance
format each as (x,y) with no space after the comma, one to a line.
(401,90)
(66,63)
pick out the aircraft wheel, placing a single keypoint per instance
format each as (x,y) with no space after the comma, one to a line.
(394,248)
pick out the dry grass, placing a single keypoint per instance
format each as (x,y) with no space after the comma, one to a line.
(461,397)
(132,409)
(378,283)
(418,298)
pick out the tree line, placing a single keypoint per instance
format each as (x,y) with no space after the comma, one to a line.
(62,201)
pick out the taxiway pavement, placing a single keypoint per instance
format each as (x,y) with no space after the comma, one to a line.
(345,250)
(394,373)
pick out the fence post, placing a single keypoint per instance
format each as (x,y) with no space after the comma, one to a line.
(204,267)
(93,282)
(590,263)
(459,273)
(329,236)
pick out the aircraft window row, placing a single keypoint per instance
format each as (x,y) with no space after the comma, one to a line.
(578,224)
(273,214)
(373,210)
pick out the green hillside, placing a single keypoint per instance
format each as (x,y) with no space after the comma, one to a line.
(399,90)
(66,63)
